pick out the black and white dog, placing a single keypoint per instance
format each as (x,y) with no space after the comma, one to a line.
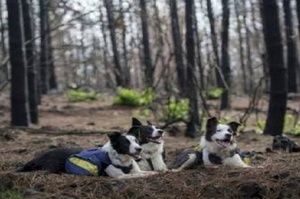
(217,146)
(150,138)
(115,159)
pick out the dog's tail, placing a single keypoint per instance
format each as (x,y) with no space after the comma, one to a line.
(52,161)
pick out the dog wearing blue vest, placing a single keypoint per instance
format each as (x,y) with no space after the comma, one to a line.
(150,138)
(217,147)
(115,159)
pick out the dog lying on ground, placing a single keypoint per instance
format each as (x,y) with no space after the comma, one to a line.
(115,159)
(150,138)
(218,146)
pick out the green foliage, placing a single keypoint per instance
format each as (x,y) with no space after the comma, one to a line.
(129,97)
(261,125)
(214,93)
(78,95)
(177,109)
(11,194)
(289,125)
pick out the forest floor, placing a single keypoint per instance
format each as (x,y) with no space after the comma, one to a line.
(63,124)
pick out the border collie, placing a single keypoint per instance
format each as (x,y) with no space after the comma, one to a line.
(115,159)
(218,146)
(150,138)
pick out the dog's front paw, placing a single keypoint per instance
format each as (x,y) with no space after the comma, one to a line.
(148,173)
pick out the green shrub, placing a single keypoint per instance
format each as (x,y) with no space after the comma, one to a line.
(129,97)
(214,93)
(11,194)
(177,109)
(289,125)
(78,95)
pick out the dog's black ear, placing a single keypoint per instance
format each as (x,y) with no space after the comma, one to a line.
(149,123)
(136,122)
(211,127)
(135,131)
(211,122)
(234,126)
(114,136)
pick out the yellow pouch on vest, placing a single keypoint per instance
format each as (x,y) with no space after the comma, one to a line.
(93,169)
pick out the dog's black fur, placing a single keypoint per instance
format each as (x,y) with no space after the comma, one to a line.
(54,160)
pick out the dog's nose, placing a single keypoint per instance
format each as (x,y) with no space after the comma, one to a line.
(160,132)
(228,136)
(138,149)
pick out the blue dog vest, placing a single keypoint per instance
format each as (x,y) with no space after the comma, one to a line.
(91,162)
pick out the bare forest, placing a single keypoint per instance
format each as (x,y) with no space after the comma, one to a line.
(73,71)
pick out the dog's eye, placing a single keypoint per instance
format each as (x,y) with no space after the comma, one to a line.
(219,130)
(136,141)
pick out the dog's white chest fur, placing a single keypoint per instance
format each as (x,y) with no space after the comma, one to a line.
(224,154)
(152,152)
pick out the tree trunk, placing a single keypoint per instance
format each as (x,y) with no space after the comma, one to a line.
(149,69)
(214,41)
(126,68)
(3,44)
(248,50)
(193,126)
(237,8)
(31,60)
(111,25)
(108,80)
(19,89)
(52,75)
(225,65)
(292,54)
(82,58)
(199,52)
(298,15)
(278,80)
(44,54)
(178,51)
(258,43)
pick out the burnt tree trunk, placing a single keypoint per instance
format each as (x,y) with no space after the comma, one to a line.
(214,41)
(31,60)
(193,126)
(50,60)
(149,69)
(292,54)
(178,51)
(3,44)
(298,15)
(19,84)
(278,80)
(225,63)
(112,29)
(44,54)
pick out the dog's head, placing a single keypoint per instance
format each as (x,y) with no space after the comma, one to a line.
(146,133)
(222,135)
(125,144)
